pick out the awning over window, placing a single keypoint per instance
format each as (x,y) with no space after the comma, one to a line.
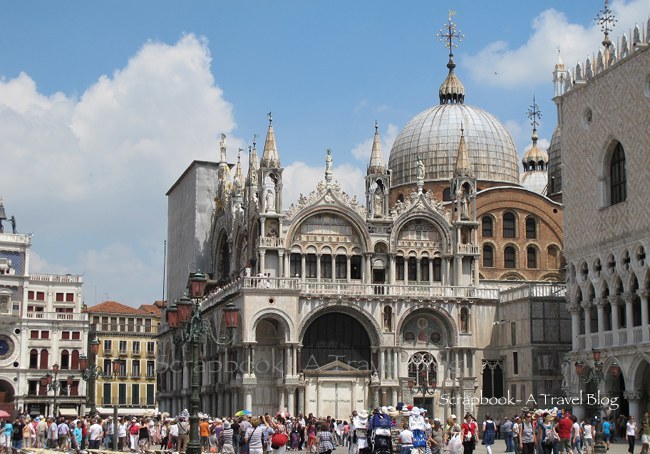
(67,411)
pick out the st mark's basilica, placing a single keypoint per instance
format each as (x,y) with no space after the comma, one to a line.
(434,289)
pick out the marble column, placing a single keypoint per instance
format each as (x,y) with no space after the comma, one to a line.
(418,271)
(633,398)
(628,297)
(615,300)
(248,398)
(303,266)
(262,266)
(643,294)
(318,267)
(574,309)
(280,264)
(586,306)
(291,407)
(348,269)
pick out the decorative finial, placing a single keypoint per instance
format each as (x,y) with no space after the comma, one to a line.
(328,166)
(606,19)
(270,117)
(376,126)
(448,33)
(534,114)
(239,154)
(254,140)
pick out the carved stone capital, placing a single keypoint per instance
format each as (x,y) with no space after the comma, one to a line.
(643,293)
(614,300)
(633,394)
(628,297)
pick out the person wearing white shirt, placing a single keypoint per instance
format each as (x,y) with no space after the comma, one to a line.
(405,440)
(95,433)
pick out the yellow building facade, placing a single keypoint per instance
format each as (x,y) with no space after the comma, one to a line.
(127,357)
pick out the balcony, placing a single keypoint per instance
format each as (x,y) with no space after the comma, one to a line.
(68,278)
(122,329)
(123,352)
(135,375)
(271,242)
(151,354)
(108,352)
(358,289)
(472,249)
(136,353)
(64,316)
(151,376)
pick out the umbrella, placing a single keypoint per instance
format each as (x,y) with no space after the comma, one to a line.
(243,413)
(4,414)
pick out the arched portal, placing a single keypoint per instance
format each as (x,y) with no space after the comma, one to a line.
(7,397)
(270,365)
(336,337)
(336,362)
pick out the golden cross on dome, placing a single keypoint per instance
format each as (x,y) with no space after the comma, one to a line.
(449,33)
(534,114)
(606,19)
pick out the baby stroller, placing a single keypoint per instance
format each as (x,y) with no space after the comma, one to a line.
(381,439)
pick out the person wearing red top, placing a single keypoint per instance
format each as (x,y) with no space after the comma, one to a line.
(563,428)
(468,434)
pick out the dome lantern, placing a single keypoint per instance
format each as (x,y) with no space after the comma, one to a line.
(452,90)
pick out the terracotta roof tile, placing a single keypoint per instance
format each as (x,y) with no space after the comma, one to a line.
(113,307)
(150,309)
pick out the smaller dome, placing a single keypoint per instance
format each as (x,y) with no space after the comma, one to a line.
(535,180)
(452,90)
(555,162)
(535,155)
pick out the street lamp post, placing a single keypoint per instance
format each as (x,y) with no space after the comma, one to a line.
(90,372)
(596,375)
(185,318)
(51,381)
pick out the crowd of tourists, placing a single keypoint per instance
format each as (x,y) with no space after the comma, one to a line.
(385,430)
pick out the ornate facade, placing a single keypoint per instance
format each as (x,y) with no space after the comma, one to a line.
(344,301)
(41,325)
(604,110)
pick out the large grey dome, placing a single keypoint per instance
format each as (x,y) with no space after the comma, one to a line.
(434,135)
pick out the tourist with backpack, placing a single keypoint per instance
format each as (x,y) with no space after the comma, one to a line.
(547,435)
(563,429)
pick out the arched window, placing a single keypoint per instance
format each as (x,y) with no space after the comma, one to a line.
(412,269)
(488,256)
(74,359)
(531,257)
(423,369)
(509,257)
(464,320)
(446,195)
(617,176)
(437,269)
(44,359)
(486,227)
(33,359)
(531,228)
(508,225)
(553,257)
(65,359)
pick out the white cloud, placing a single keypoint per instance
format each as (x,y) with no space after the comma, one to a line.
(92,169)
(533,61)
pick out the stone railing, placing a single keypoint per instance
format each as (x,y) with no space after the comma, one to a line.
(357,288)
(69,316)
(267,241)
(67,278)
(538,290)
(468,248)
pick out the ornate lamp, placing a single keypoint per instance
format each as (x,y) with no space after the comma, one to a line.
(184,308)
(231,314)
(197,283)
(172,315)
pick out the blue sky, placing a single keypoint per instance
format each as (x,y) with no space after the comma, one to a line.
(104,104)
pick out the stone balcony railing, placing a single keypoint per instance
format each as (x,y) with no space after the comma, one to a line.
(619,338)
(67,316)
(67,278)
(351,289)
(536,290)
